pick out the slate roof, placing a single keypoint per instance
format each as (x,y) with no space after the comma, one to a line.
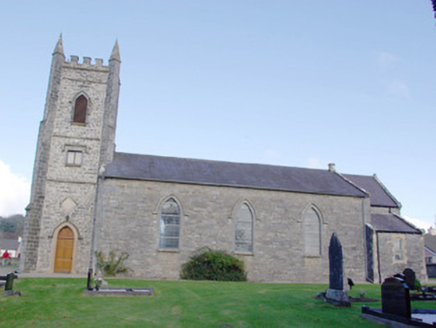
(217,173)
(392,223)
(430,242)
(379,196)
(8,235)
(9,244)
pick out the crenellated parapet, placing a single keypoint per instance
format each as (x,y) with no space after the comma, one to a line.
(86,63)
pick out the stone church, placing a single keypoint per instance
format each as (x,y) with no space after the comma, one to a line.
(86,197)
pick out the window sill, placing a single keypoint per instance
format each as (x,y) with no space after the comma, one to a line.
(169,250)
(313,256)
(244,253)
(78,124)
(399,261)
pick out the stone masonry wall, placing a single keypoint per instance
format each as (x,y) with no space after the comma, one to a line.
(129,221)
(413,252)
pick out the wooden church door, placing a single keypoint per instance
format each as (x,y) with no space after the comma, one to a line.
(64,251)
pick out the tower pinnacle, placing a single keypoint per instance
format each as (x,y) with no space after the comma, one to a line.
(59,49)
(115,52)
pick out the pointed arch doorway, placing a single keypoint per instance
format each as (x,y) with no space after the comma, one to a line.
(64,251)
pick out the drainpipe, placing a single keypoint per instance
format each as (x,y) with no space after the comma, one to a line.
(365,246)
(97,213)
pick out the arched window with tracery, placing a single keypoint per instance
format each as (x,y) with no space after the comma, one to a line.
(80,109)
(169,225)
(312,232)
(244,229)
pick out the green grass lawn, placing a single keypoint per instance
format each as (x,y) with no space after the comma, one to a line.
(48,302)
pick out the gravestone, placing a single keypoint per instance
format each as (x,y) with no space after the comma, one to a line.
(336,293)
(396,297)
(336,264)
(9,284)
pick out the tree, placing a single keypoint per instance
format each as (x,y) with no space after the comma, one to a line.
(13,224)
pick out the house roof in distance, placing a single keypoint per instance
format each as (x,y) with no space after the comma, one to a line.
(430,241)
(9,244)
(379,195)
(218,173)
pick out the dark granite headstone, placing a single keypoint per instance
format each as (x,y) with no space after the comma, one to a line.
(10,281)
(336,264)
(395,297)
(9,284)
(409,278)
(336,293)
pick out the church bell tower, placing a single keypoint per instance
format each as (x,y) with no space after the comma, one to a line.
(76,141)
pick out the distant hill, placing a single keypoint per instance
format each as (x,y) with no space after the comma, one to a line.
(12,224)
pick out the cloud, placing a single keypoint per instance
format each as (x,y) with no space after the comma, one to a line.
(14,192)
(386,60)
(389,66)
(316,163)
(272,154)
(419,223)
(398,89)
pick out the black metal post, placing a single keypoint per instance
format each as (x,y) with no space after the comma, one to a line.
(88,285)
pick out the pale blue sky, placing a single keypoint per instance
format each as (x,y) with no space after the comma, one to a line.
(295,83)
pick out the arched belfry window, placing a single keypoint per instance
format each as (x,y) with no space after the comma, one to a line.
(312,232)
(80,109)
(169,225)
(244,229)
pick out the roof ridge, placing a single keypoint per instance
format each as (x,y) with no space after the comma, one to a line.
(353,184)
(222,161)
(379,194)
(374,176)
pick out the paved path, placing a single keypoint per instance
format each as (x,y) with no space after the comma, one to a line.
(4,270)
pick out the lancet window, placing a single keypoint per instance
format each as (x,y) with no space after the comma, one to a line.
(80,109)
(169,225)
(244,229)
(312,232)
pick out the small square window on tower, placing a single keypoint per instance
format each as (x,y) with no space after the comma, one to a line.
(74,157)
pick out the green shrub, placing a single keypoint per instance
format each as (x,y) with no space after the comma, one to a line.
(113,265)
(208,264)
(417,285)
